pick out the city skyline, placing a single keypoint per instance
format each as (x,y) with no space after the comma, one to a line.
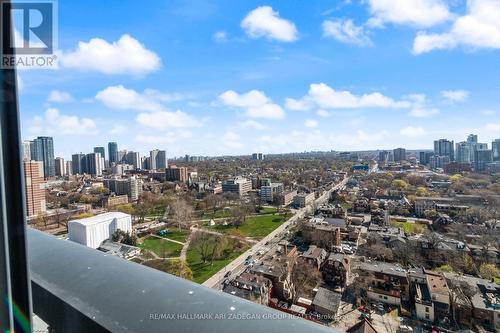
(208,83)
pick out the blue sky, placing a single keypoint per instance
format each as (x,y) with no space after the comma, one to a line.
(233,77)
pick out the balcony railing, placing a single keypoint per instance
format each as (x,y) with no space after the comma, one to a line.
(78,289)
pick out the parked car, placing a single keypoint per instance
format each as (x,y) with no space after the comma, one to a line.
(227,274)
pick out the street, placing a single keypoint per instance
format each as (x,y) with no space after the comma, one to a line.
(238,265)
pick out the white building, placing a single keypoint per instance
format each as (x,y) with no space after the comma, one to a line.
(303,199)
(92,231)
(267,193)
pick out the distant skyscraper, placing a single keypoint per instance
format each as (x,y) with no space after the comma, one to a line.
(158,159)
(112,152)
(472,138)
(93,164)
(463,152)
(495,150)
(161,159)
(425,156)
(121,156)
(44,152)
(101,151)
(34,188)
(69,168)
(78,164)
(482,157)
(28,150)
(152,159)
(444,147)
(383,156)
(133,158)
(258,156)
(60,167)
(399,154)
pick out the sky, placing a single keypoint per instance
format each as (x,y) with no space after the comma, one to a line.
(235,77)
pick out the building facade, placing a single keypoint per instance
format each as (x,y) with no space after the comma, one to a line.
(34,188)
(44,152)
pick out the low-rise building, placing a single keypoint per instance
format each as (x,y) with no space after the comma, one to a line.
(114,200)
(385,282)
(287,197)
(238,185)
(253,287)
(92,231)
(303,199)
(270,192)
(314,256)
(336,269)
(326,302)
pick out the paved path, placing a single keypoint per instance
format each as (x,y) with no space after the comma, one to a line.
(237,265)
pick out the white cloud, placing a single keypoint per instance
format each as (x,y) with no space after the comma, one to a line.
(220,36)
(297,105)
(121,98)
(494,127)
(250,123)
(453,96)
(420,112)
(55,123)
(412,132)
(58,96)
(166,138)
(346,31)
(479,28)
(326,97)
(167,119)
(323,113)
(311,123)
(256,104)
(118,129)
(126,55)
(232,140)
(420,13)
(265,22)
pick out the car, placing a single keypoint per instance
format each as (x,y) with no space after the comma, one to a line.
(248,258)
(227,274)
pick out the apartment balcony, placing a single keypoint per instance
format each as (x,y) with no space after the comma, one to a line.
(78,289)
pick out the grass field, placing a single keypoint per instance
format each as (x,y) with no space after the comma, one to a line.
(178,235)
(410,228)
(256,226)
(161,247)
(203,271)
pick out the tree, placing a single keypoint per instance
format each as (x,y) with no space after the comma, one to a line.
(400,184)
(240,214)
(305,278)
(183,213)
(421,191)
(123,237)
(175,267)
(209,246)
(489,271)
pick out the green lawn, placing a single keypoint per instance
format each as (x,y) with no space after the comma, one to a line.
(161,247)
(178,235)
(256,226)
(203,271)
(410,228)
(268,210)
(217,215)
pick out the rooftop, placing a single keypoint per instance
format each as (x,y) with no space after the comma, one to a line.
(100,218)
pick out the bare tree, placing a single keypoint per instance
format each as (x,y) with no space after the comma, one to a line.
(183,213)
